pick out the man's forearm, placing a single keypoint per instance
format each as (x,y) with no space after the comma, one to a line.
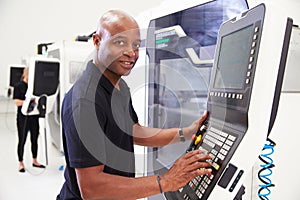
(155,137)
(107,186)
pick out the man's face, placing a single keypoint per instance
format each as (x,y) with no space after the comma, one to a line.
(119,51)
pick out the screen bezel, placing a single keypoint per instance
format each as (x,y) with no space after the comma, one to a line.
(216,94)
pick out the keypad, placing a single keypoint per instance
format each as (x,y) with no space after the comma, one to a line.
(217,143)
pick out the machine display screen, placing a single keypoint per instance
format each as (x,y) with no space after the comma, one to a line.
(233,59)
(46,78)
(15,75)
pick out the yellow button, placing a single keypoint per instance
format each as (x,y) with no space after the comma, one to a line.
(216,166)
(198,139)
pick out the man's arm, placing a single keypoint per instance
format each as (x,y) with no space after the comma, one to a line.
(96,184)
(155,137)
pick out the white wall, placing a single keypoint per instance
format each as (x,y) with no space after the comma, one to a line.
(24,24)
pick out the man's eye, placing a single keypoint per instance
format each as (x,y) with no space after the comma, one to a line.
(136,46)
(120,42)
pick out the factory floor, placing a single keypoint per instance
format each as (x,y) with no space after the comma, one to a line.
(35,183)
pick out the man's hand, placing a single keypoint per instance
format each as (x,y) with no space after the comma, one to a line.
(195,126)
(185,169)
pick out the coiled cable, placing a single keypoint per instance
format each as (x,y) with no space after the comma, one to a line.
(266,170)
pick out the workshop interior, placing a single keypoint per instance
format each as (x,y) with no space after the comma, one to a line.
(237,59)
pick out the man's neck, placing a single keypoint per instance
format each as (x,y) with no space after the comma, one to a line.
(113,78)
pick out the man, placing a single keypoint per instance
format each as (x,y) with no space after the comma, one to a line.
(100,125)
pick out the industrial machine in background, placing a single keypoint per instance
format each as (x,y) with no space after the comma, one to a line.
(15,74)
(52,72)
(43,81)
(243,94)
(73,56)
(181,49)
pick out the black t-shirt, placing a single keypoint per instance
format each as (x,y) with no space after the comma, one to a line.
(97,122)
(20,89)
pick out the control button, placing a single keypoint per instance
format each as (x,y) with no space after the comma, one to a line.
(251,59)
(248,74)
(209,143)
(247,81)
(254,36)
(224,152)
(229,95)
(198,139)
(233,96)
(256,29)
(222,94)
(241,96)
(231,137)
(253,44)
(252,51)
(250,66)
(229,143)
(214,152)
(216,166)
(226,147)
(221,156)
(223,134)
(199,194)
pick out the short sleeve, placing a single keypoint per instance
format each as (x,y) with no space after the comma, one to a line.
(85,139)
(133,114)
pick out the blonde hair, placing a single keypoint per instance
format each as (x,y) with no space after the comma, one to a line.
(25,73)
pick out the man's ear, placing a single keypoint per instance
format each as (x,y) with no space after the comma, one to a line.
(96,40)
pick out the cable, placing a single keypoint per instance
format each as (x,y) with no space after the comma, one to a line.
(266,170)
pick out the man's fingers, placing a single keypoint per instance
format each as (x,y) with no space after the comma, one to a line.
(191,154)
(203,117)
(201,172)
(198,156)
(198,165)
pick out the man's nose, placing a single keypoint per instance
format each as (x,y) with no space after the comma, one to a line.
(129,52)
